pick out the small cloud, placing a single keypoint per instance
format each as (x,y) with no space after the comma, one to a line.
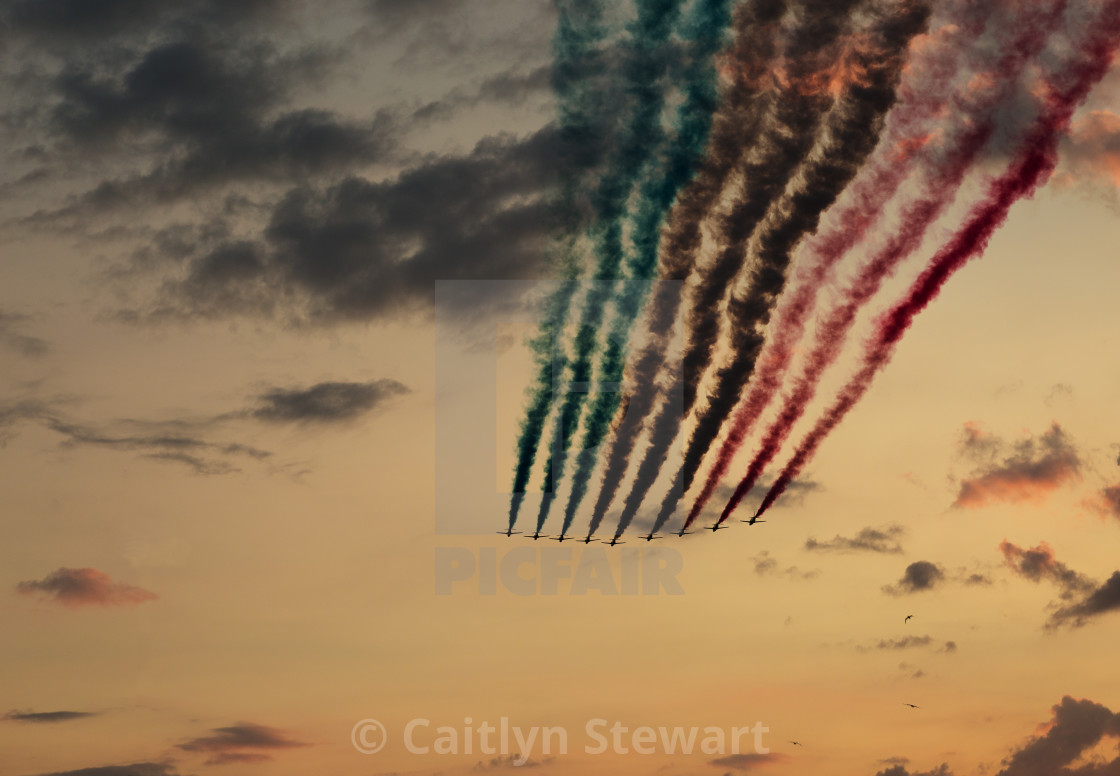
(906,642)
(135,769)
(975,579)
(46,717)
(920,575)
(748,762)
(766,565)
(1030,473)
(882,540)
(240,743)
(85,587)
(330,402)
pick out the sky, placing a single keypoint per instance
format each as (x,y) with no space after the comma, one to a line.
(272,275)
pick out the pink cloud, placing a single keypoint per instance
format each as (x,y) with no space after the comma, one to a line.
(85,587)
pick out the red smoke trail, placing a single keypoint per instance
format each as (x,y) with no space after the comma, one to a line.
(923,96)
(942,183)
(1035,160)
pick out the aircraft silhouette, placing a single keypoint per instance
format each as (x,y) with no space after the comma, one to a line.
(717,527)
(613,541)
(537,535)
(564,538)
(650,537)
(510,532)
(683,532)
(752,521)
(587,539)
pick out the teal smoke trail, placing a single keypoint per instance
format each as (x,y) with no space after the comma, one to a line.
(642,70)
(577,80)
(705,32)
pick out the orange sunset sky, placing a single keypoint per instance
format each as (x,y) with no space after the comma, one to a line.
(246,443)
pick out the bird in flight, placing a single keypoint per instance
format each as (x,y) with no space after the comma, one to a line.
(796,743)
(908,618)
(911,705)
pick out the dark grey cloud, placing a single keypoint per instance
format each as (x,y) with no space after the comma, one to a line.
(136,769)
(920,575)
(1039,563)
(12,336)
(1035,467)
(882,540)
(1101,600)
(70,22)
(512,87)
(1083,598)
(1077,726)
(46,717)
(329,402)
(244,742)
(363,250)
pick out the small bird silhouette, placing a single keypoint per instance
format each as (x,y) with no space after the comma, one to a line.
(911,705)
(796,743)
(908,618)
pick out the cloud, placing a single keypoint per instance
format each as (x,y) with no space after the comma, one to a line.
(361,250)
(1076,727)
(920,575)
(883,540)
(1084,598)
(136,769)
(328,402)
(1061,746)
(1107,501)
(240,743)
(908,642)
(1039,563)
(85,587)
(1034,469)
(766,565)
(46,717)
(900,770)
(748,762)
(1101,600)
(12,337)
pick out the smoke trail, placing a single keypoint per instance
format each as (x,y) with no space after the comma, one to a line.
(643,67)
(923,97)
(852,131)
(733,132)
(578,69)
(704,34)
(974,112)
(789,136)
(1030,167)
